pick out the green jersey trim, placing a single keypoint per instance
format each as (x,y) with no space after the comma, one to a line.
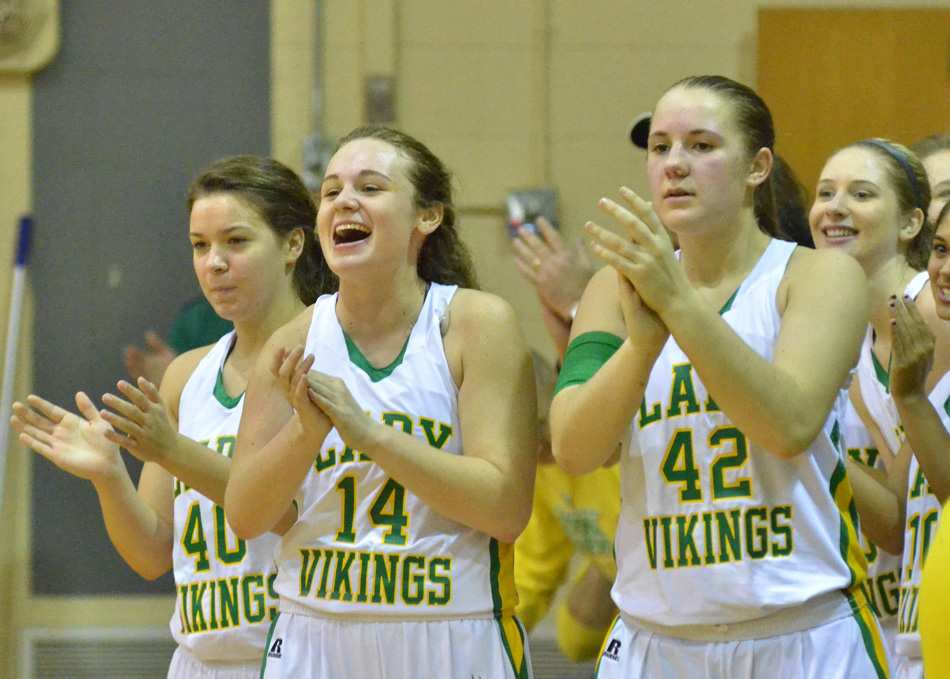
(868,637)
(883,375)
(728,304)
(839,477)
(221,394)
(360,361)
(270,635)
(494,570)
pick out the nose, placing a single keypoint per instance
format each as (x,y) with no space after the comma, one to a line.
(675,162)
(346,199)
(217,259)
(836,205)
(943,273)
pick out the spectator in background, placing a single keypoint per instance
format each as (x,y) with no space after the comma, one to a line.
(570,515)
(195,325)
(559,274)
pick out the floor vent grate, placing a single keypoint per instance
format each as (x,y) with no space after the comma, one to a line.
(97,653)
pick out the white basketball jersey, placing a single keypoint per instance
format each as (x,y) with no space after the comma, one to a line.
(923,517)
(882,587)
(226,597)
(873,380)
(714,529)
(364,547)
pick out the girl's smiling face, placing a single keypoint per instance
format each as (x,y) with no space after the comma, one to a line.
(938,268)
(367,208)
(857,208)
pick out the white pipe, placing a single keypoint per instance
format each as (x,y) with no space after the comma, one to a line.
(13,336)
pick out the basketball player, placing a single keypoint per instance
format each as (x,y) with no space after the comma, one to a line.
(900,511)
(720,368)
(399,418)
(257,262)
(871,202)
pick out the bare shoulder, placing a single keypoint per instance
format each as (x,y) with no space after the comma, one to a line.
(475,311)
(481,327)
(177,375)
(805,262)
(823,272)
(294,332)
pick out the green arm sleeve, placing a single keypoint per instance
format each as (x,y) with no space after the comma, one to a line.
(584,357)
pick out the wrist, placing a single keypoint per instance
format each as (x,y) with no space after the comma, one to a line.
(304,439)
(911,400)
(374,438)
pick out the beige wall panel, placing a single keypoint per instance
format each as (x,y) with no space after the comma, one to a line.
(292,57)
(643,22)
(468,91)
(294,121)
(485,168)
(449,22)
(103,611)
(596,92)
(15,201)
(342,22)
(15,150)
(343,90)
(293,21)
(380,30)
(586,171)
(490,246)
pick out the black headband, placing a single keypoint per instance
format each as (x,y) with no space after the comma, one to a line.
(905,166)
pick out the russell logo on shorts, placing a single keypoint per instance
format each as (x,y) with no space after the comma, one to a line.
(274,651)
(612,652)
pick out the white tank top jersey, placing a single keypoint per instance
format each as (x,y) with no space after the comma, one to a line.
(364,547)
(714,529)
(873,379)
(226,598)
(922,517)
(882,587)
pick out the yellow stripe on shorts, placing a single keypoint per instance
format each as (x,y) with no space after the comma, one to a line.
(849,541)
(512,636)
(504,592)
(870,631)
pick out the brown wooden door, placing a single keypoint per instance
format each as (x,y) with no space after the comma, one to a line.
(832,77)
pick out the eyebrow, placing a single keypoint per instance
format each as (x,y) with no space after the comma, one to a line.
(825,180)
(697,131)
(228,230)
(362,173)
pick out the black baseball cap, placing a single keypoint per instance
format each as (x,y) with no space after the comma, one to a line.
(640,129)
